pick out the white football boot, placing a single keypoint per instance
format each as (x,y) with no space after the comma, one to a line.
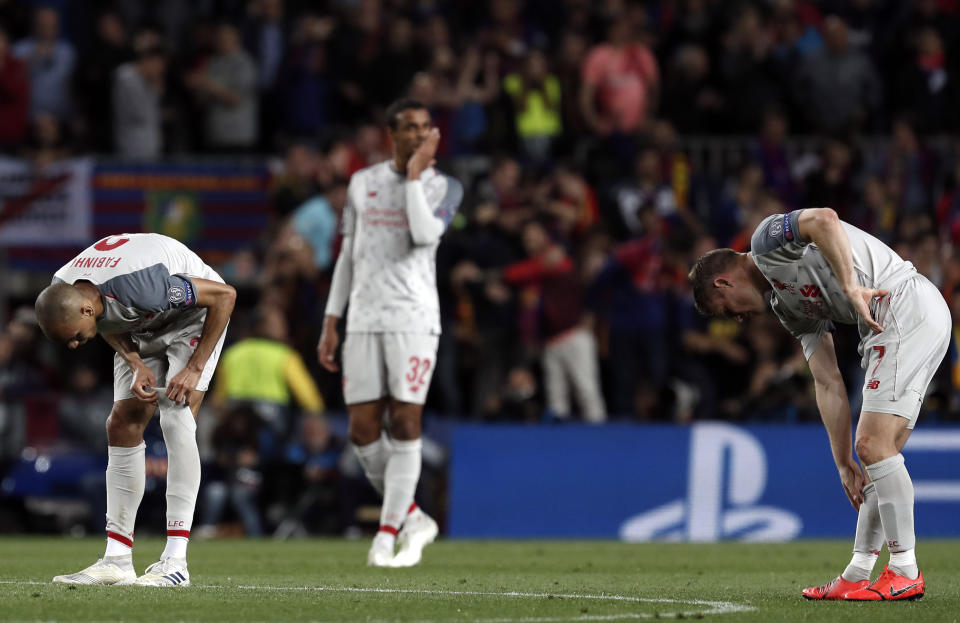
(418,531)
(166,572)
(381,551)
(108,571)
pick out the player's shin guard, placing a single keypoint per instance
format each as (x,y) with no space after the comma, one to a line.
(126,475)
(869,538)
(183,474)
(400,482)
(895,499)
(373,457)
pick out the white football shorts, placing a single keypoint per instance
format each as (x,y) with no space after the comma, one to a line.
(167,354)
(901,361)
(399,365)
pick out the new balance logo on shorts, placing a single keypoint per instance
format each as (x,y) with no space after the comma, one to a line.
(873,384)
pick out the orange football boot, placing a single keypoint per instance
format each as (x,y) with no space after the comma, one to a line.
(890,586)
(834,589)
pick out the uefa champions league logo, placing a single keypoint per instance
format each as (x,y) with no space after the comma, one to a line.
(727,476)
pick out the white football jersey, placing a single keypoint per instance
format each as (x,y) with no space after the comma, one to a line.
(806,294)
(144,281)
(394,282)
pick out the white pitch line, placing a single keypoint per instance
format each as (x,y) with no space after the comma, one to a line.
(714,607)
(717,606)
(559,619)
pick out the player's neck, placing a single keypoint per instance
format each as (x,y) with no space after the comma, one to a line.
(400,163)
(756,275)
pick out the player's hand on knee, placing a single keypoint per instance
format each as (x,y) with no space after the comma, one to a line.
(853,482)
(143,382)
(182,384)
(327,349)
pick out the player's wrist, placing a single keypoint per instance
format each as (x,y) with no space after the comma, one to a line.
(845,462)
(330,322)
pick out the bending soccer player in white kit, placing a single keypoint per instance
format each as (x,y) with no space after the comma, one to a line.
(814,269)
(165,313)
(395,214)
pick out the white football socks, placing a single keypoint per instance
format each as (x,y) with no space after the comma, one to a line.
(895,499)
(183,474)
(400,481)
(373,458)
(869,538)
(126,476)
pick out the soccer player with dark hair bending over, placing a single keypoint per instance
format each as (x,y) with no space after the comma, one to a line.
(814,269)
(165,312)
(395,214)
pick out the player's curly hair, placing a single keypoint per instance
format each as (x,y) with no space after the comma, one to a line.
(701,276)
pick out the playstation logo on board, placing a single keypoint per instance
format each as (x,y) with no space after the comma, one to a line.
(727,476)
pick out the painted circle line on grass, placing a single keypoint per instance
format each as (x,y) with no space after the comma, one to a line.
(713,607)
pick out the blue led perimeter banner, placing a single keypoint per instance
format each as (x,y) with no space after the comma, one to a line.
(711,481)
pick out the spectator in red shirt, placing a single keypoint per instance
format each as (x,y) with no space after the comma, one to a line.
(621,81)
(14,96)
(553,290)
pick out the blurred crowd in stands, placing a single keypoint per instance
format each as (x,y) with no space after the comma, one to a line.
(585,133)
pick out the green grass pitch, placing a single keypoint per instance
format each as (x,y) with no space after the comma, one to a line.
(487,581)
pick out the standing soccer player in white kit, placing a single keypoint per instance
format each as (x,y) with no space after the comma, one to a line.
(165,312)
(395,214)
(814,269)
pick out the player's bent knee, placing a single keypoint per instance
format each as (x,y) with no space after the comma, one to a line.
(405,422)
(872,449)
(126,422)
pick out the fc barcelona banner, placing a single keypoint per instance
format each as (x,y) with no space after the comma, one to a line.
(46,206)
(214,207)
(209,206)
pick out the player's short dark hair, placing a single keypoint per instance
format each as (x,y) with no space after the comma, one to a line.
(54,305)
(704,271)
(400,105)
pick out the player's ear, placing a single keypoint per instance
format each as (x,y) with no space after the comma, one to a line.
(722,282)
(86,309)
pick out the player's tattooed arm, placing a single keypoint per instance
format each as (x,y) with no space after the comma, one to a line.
(822,226)
(835,413)
(143,377)
(218,298)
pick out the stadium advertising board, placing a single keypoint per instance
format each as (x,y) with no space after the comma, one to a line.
(708,482)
